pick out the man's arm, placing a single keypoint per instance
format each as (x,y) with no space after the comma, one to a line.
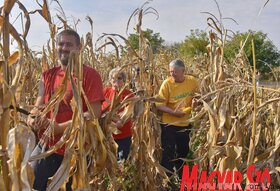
(96,107)
(43,123)
(97,111)
(40,98)
(164,94)
(59,128)
(38,105)
(93,88)
(169,110)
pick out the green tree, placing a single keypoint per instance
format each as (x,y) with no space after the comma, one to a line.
(155,40)
(194,44)
(267,55)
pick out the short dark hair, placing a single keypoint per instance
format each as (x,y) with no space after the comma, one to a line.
(70,32)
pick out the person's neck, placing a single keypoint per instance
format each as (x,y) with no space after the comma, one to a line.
(116,88)
(63,67)
(180,80)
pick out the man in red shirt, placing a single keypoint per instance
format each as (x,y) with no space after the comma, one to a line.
(123,139)
(50,82)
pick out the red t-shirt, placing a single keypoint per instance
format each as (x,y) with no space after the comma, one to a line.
(109,94)
(92,86)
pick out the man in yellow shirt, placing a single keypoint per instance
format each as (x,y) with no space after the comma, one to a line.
(177,91)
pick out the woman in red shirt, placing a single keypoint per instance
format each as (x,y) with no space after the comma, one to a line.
(123,139)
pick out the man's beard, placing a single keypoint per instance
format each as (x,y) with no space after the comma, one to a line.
(64,59)
(64,62)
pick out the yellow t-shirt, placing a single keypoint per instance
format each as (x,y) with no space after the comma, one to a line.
(177,96)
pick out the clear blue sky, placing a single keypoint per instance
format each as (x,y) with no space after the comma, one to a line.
(176,17)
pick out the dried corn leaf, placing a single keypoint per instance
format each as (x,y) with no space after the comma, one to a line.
(8,5)
(213,134)
(13,58)
(62,173)
(21,141)
(44,61)
(8,97)
(26,15)
(2,186)
(45,12)
(232,159)
(12,31)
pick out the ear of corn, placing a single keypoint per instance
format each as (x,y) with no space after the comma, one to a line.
(187,109)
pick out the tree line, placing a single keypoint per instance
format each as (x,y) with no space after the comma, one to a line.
(195,44)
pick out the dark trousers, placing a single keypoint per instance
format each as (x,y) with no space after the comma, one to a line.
(175,144)
(123,147)
(46,168)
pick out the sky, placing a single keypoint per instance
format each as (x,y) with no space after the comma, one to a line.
(176,17)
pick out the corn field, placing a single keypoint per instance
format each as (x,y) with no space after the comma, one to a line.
(234,126)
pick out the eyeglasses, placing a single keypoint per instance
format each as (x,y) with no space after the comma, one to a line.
(118,78)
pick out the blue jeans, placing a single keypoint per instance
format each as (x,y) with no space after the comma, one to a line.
(123,147)
(46,168)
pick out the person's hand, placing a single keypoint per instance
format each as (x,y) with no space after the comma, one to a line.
(31,117)
(178,113)
(119,124)
(196,104)
(37,122)
(87,116)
